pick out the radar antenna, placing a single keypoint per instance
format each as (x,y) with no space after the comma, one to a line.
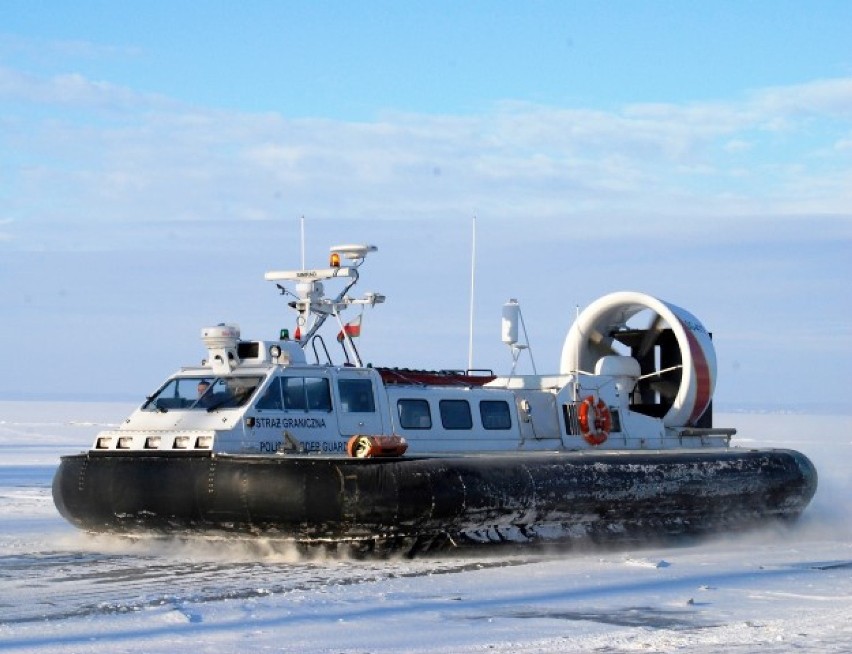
(311,304)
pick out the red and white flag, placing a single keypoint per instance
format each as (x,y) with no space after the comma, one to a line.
(351,328)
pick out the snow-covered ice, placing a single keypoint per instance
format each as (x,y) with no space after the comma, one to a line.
(776,589)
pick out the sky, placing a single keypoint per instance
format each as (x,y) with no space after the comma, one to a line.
(156,159)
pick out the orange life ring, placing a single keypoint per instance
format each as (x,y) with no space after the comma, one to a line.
(595,428)
(362,447)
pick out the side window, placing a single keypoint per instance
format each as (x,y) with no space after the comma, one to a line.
(293,393)
(319,397)
(305,394)
(455,414)
(414,414)
(495,414)
(233,391)
(271,399)
(356,395)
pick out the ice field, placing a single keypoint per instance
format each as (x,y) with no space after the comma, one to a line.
(778,589)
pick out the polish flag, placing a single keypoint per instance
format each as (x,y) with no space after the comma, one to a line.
(352,329)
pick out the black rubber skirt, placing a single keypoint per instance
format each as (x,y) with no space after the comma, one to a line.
(519,496)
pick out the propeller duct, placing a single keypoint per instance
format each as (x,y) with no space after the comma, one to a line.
(674,351)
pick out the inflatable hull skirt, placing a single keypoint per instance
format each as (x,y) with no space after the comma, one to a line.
(541,496)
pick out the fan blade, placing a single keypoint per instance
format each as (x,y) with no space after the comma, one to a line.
(658,324)
(602,343)
(666,389)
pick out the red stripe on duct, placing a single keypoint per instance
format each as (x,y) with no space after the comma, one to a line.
(702,374)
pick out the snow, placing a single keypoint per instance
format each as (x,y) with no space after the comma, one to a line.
(779,589)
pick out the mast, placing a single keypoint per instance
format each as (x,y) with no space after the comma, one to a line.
(303,241)
(472,292)
(311,304)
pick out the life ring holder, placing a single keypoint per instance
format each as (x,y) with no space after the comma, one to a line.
(595,420)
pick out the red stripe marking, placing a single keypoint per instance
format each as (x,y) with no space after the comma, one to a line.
(702,373)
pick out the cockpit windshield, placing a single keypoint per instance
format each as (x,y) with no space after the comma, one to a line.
(208,393)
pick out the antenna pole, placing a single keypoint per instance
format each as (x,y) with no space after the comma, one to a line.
(472,290)
(302,224)
(577,369)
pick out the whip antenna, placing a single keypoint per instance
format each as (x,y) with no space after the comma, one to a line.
(472,290)
(303,241)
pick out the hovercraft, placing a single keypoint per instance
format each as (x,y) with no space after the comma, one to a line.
(259,440)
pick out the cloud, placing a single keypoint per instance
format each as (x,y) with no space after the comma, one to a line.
(843,144)
(97,155)
(737,208)
(62,49)
(72,90)
(827,98)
